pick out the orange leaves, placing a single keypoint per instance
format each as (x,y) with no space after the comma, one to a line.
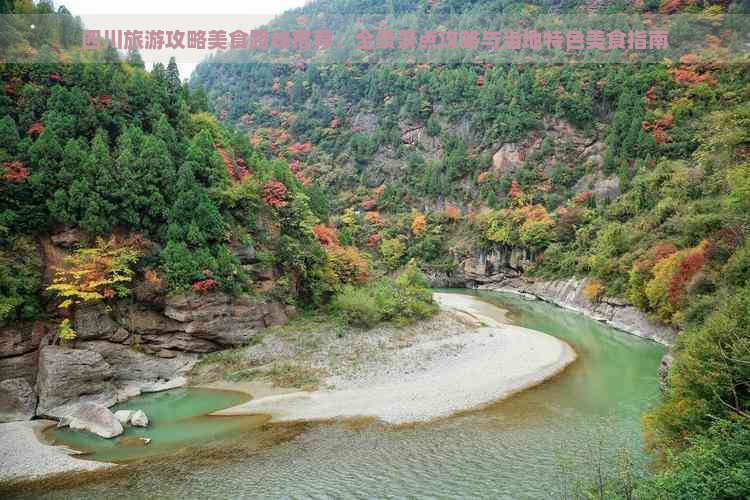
(690,264)
(14,171)
(453,214)
(670,6)
(298,148)
(368,204)
(419,224)
(581,198)
(374,240)
(297,171)
(325,235)
(35,129)
(348,264)
(374,218)
(691,72)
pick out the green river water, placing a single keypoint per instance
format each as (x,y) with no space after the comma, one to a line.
(517,448)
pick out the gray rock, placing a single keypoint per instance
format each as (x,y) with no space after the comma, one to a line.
(17,400)
(21,338)
(68,375)
(23,366)
(246,253)
(129,365)
(69,238)
(143,321)
(139,419)
(93,322)
(223,319)
(664,367)
(181,342)
(124,416)
(93,418)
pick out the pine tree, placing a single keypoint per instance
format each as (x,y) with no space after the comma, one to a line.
(8,134)
(193,218)
(155,181)
(134,59)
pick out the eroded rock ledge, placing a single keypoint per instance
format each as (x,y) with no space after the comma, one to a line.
(121,351)
(503,269)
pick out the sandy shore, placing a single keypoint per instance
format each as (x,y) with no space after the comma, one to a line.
(24,456)
(433,377)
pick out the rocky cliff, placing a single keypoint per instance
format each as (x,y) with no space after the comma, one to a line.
(142,344)
(503,269)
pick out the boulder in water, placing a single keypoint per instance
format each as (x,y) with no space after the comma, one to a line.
(123,416)
(94,418)
(139,419)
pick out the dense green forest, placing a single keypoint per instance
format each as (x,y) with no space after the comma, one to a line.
(340,176)
(634,175)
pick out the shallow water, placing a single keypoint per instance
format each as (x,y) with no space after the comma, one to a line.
(516,448)
(177,419)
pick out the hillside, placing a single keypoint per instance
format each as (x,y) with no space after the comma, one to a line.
(633,177)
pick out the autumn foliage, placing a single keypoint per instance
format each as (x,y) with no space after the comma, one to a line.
(419,224)
(14,171)
(325,235)
(274,194)
(204,286)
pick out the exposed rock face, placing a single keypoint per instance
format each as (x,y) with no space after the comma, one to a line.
(94,322)
(569,294)
(93,418)
(664,367)
(128,365)
(17,400)
(223,319)
(67,375)
(20,338)
(603,188)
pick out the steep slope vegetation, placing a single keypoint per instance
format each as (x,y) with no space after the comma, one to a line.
(634,176)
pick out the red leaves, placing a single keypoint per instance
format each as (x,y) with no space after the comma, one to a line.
(368,204)
(670,6)
(35,129)
(582,198)
(54,77)
(515,192)
(693,262)
(14,171)
(374,240)
(204,286)
(297,171)
(274,194)
(325,235)
(657,129)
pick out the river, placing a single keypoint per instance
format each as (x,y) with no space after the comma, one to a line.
(517,448)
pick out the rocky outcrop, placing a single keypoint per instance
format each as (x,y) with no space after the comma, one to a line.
(664,367)
(569,294)
(139,419)
(68,375)
(225,320)
(93,418)
(17,400)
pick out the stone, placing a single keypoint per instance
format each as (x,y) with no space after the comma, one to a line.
(129,366)
(123,416)
(666,364)
(244,252)
(139,419)
(69,238)
(93,322)
(181,342)
(68,375)
(507,159)
(21,338)
(93,418)
(225,320)
(148,322)
(120,335)
(17,400)
(23,366)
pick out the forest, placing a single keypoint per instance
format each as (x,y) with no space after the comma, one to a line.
(354,181)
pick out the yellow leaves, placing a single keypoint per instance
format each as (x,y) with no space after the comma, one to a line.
(593,291)
(65,332)
(93,274)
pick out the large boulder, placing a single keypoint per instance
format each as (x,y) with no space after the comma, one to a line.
(139,419)
(94,322)
(24,366)
(21,338)
(130,366)
(17,400)
(94,418)
(68,375)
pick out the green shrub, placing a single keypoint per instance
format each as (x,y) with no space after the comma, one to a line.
(405,299)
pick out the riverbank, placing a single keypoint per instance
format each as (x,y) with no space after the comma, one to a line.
(24,455)
(471,358)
